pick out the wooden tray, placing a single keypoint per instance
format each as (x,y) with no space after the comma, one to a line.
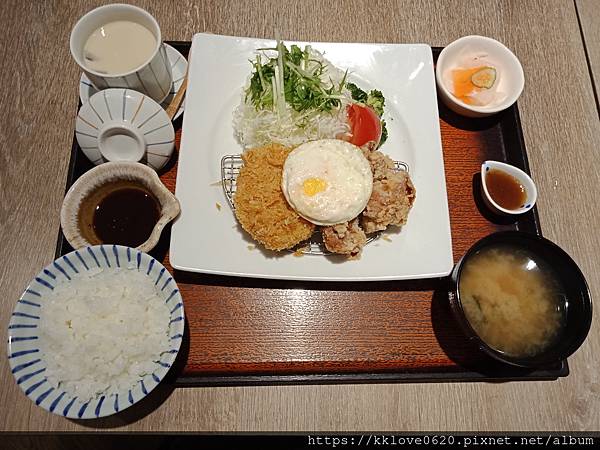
(252,331)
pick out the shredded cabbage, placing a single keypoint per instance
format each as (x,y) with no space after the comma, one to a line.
(281,123)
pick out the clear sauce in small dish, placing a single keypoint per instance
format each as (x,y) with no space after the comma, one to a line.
(505,190)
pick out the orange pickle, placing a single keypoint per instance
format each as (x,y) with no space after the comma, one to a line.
(463,83)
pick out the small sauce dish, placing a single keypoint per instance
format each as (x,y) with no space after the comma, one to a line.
(506,188)
(497,76)
(121,203)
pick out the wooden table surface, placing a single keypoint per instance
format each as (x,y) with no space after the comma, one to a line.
(561,128)
(589,18)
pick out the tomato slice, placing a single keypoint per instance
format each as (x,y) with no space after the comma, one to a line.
(364,123)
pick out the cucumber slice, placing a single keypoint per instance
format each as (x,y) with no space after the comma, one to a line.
(484,78)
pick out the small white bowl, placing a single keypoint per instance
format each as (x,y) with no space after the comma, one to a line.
(524,179)
(511,80)
(98,182)
(125,125)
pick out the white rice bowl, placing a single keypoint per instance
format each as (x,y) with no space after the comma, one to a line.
(95,331)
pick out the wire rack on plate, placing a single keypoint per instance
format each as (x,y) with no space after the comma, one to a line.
(230,169)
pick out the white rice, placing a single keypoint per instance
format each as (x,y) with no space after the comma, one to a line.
(102,332)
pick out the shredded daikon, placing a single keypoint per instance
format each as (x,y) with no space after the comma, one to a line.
(281,123)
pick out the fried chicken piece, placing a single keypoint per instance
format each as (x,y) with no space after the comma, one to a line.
(368,147)
(392,197)
(382,165)
(346,238)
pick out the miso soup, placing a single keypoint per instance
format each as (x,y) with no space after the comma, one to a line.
(513,300)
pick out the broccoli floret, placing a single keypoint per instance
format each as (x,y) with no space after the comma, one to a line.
(384,133)
(376,101)
(357,93)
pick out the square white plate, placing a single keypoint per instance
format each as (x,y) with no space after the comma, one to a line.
(207,239)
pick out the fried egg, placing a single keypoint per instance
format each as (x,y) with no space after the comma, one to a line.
(327,182)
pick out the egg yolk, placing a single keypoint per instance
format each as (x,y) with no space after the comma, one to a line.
(312,186)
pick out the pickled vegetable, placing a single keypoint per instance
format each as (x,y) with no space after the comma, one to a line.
(484,78)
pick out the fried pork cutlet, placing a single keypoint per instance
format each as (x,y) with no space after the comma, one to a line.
(261,207)
(392,197)
(346,238)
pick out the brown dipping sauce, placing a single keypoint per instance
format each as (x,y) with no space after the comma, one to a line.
(505,189)
(119,212)
(125,216)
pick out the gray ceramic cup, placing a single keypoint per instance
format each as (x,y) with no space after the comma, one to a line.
(153,78)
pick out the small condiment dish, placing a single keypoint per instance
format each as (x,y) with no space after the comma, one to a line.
(76,215)
(125,125)
(575,296)
(510,82)
(525,181)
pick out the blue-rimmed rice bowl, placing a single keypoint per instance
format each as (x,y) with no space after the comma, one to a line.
(27,363)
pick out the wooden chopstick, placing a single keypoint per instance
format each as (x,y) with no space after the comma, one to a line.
(176,102)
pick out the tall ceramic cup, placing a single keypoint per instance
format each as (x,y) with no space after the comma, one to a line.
(152,78)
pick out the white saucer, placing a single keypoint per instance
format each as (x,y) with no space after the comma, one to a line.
(124,125)
(178,67)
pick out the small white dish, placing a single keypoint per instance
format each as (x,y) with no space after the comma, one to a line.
(27,362)
(510,82)
(103,179)
(124,125)
(522,177)
(178,68)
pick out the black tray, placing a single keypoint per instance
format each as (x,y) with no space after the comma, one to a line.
(514,152)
